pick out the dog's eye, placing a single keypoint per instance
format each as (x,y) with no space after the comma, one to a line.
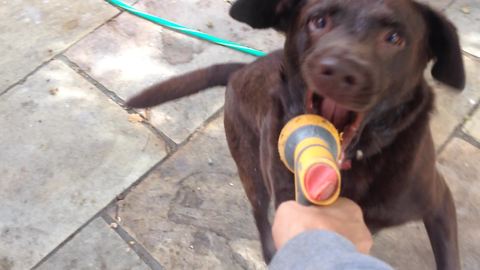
(395,38)
(319,23)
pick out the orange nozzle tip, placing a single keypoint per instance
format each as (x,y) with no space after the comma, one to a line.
(321,182)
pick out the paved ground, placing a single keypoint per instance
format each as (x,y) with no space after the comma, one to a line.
(87,184)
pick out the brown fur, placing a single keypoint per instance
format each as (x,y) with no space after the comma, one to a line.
(396,180)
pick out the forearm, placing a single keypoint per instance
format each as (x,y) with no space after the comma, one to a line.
(322,250)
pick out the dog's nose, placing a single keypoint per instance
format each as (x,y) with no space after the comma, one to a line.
(340,73)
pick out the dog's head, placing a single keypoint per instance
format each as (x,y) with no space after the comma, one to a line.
(359,56)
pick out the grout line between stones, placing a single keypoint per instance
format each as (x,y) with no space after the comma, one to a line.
(64,242)
(471,56)
(22,80)
(468,138)
(99,213)
(122,195)
(170,144)
(199,130)
(139,249)
(25,78)
(91,80)
(457,132)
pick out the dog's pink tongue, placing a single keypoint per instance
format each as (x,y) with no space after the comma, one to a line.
(334,113)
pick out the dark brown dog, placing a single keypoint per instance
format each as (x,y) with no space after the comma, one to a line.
(360,64)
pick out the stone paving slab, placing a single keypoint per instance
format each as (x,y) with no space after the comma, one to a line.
(408,247)
(34,31)
(211,16)
(405,247)
(472,127)
(96,246)
(466,16)
(191,212)
(437,4)
(453,106)
(129,54)
(459,165)
(68,150)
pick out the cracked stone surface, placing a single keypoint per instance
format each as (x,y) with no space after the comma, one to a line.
(129,54)
(452,106)
(466,15)
(96,246)
(408,247)
(191,212)
(34,31)
(472,127)
(68,152)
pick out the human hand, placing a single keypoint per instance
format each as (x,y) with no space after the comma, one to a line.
(343,217)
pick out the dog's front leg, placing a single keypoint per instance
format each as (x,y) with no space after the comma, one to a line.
(244,147)
(279,178)
(441,226)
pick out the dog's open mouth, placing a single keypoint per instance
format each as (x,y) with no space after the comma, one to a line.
(346,121)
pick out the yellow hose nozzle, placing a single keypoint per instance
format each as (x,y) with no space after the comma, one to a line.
(309,146)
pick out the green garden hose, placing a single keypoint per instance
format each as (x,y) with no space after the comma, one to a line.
(185,30)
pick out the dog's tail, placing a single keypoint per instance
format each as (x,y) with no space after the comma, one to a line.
(184,85)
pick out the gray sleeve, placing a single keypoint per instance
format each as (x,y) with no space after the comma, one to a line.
(322,250)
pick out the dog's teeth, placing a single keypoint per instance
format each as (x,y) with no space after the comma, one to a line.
(359,155)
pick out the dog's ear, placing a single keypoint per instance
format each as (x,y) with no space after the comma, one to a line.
(445,48)
(263,13)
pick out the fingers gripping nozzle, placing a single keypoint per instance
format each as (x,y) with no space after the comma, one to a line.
(309,146)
